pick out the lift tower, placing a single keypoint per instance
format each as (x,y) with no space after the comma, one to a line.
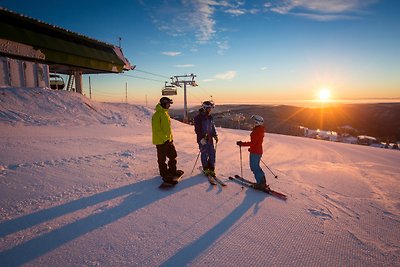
(185,80)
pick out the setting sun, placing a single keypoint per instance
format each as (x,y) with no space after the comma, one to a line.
(324,94)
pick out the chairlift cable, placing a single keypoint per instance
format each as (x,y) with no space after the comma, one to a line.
(107,94)
(200,100)
(143,78)
(162,76)
(204,90)
(155,74)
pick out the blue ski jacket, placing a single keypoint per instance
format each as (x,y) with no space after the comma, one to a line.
(204,126)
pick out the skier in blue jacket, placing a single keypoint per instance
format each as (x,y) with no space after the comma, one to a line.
(205,130)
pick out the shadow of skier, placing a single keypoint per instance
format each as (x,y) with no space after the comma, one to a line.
(196,248)
(136,198)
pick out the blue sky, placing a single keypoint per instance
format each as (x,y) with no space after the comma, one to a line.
(241,51)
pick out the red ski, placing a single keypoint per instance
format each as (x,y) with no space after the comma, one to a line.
(240,180)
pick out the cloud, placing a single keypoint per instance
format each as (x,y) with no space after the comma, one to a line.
(186,17)
(171,53)
(185,66)
(236,12)
(322,10)
(325,17)
(222,47)
(202,19)
(263,68)
(197,19)
(229,75)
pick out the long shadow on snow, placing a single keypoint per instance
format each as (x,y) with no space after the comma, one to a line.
(41,216)
(196,248)
(136,198)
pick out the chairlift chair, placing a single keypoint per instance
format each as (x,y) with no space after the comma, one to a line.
(56,82)
(169,90)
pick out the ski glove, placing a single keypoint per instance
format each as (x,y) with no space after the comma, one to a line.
(203,141)
(239,143)
(216,139)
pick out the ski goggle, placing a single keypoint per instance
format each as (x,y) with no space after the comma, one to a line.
(257,118)
(208,105)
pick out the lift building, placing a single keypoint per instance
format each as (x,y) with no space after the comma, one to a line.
(33,52)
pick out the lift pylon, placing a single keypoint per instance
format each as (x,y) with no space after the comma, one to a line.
(185,80)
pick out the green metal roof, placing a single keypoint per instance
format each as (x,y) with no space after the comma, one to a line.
(64,50)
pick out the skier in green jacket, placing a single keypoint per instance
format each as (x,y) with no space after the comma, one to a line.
(163,139)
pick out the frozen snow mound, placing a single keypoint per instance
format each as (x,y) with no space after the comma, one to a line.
(41,106)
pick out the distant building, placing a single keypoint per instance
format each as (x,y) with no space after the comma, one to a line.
(390,145)
(30,50)
(320,134)
(366,140)
(346,138)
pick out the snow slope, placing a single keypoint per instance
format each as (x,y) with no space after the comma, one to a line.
(79,186)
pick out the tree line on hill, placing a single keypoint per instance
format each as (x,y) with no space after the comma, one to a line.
(381,120)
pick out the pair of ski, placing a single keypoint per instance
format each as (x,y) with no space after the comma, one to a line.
(240,180)
(213,180)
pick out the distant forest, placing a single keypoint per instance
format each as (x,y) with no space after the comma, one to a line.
(378,120)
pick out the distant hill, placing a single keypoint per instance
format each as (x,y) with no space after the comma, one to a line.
(381,120)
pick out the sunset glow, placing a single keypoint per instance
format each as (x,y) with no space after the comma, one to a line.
(324,95)
(234,59)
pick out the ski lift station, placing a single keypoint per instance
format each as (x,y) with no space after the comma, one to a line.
(34,54)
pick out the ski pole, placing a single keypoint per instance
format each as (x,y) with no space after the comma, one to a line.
(195,162)
(241,167)
(215,163)
(276,176)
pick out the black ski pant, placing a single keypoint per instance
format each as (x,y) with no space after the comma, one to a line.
(164,151)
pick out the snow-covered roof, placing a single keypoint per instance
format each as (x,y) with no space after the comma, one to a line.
(366,137)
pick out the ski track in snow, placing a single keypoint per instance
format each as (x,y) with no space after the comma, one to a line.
(79,186)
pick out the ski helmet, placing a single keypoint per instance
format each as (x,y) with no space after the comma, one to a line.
(207,104)
(165,100)
(258,120)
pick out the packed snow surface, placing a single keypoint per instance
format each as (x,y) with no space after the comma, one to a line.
(79,187)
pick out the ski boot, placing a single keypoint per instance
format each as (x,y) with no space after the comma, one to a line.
(262,185)
(169,179)
(212,173)
(206,171)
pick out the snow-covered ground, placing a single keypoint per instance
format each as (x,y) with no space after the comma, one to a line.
(79,187)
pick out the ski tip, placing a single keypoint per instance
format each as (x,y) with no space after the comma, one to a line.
(278,195)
